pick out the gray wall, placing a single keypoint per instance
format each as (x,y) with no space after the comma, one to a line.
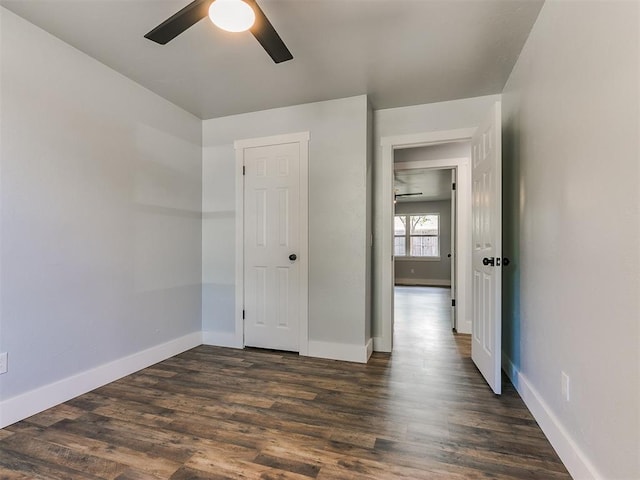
(428,272)
(434,152)
(572,228)
(338,237)
(100,222)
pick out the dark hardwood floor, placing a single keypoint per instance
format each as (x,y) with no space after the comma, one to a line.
(214,413)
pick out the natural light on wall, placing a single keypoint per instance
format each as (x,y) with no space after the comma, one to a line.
(232,15)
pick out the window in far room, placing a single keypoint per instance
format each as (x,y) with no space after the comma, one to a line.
(417,235)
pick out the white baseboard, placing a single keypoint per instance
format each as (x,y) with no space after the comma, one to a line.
(511,371)
(221,339)
(341,351)
(29,403)
(576,461)
(463,327)
(333,351)
(423,282)
(369,349)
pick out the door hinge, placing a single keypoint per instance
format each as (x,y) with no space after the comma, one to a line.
(453,186)
(243,314)
(244,170)
(453,302)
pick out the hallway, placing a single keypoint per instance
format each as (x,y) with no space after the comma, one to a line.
(495,434)
(423,322)
(423,337)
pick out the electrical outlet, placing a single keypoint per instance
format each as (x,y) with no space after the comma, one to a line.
(565,386)
(3,363)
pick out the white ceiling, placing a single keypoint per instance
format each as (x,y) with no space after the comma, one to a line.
(399,52)
(431,184)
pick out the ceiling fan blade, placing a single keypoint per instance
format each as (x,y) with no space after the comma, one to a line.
(178,23)
(267,36)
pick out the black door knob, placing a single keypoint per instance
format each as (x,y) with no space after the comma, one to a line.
(488,261)
(505,261)
(293,257)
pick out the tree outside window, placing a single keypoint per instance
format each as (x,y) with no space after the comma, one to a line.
(417,235)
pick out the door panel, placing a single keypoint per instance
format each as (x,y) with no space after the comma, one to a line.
(487,248)
(272,191)
(260,292)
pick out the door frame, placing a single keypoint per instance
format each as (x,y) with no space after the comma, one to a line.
(389,144)
(301,138)
(462,218)
(454,247)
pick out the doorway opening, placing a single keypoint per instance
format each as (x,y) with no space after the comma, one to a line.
(424,238)
(478,266)
(444,150)
(425,233)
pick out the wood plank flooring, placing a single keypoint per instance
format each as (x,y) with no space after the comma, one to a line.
(423,412)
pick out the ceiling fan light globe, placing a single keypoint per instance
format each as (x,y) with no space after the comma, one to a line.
(232,15)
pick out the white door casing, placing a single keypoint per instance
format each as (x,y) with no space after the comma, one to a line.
(453,248)
(383,341)
(272,227)
(486,168)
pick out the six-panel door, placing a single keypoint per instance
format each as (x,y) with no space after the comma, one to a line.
(271,266)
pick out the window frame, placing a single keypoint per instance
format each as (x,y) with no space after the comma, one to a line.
(407,238)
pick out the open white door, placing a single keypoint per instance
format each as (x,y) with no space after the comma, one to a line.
(486,174)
